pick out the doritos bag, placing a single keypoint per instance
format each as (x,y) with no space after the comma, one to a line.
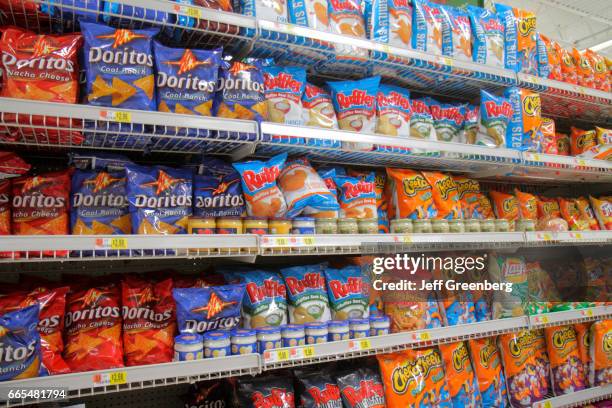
(414,378)
(567,372)
(601,354)
(569,212)
(99,203)
(212,393)
(393,111)
(357,196)
(601,77)
(240,92)
(361,388)
(427,23)
(284,87)
(586,212)
(462,383)
(20,357)
(488,37)
(348,292)
(317,389)
(495,116)
(270,392)
(93,328)
(199,310)
(568,67)
(263,197)
(306,294)
(186,79)
(445,195)
(474,204)
(448,120)
(549,138)
(217,190)
(524,129)
(586,74)
(119,66)
(50,323)
(602,207)
(40,67)
(303,187)
(581,140)
(409,195)
(583,338)
(149,323)
(505,206)
(488,371)
(12,165)
(160,199)
(5,211)
(421,122)
(527,205)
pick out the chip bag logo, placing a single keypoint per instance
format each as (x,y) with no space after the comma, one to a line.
(219,198)
(126,56)
(393,99)
(495,110)
(415,184)
(563,336)
(339,5)
(91,310)
(451,113)
(531,105)
(567,59)
(460,355)
(357,98)
(446,185)
(486,354)
(271,288)
(492,24)
(467,186)
(100,182)
(550,207)
(354,190)
(586,139)
(214,307)
(607,342)
(312,280)
(404,375)
(600,67)
(419,106)
(509,205)
(266,177)
(163,183)
(10,354)
(314,91)
(527,26)
(278,398)
(187,63)
(368,393)
(327,396)
(37,199)
(39,63)
(145,302)
(353,286)
(513,268)
(521,342)
(282,81)
(241,83)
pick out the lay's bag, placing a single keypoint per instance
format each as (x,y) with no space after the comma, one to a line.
(460,377)
(409,195)
(509,269)
(20,344)
(357,196)
(348,292)
(306,294)
(524,130)
(119,66)
(445,195)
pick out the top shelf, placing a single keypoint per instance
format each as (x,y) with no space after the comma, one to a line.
(295,45)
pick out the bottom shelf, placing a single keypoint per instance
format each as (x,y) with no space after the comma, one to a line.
(578,398)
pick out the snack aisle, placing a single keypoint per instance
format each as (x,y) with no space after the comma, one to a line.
(163,191)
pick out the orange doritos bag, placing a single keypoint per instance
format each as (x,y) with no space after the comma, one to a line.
(548,208)
(569,212)
(488,370)
(149,322)
(445,195)
(93,329)
(583,338)
(567,372)
(581,140)
(409,195)
(554,57)
(602,207)
(586,212)
(601,77)
(549,138)
(414,378)
(586,74)
(568,67)
(563,144)
(601,353)
(505,206)
(460,377)
(527,204)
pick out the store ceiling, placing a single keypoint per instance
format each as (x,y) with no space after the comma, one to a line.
(578,23)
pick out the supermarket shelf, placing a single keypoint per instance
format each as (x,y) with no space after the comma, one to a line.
(577,398)
(341,350)
(545,238)
(135,378)
(546,167)
(570,316)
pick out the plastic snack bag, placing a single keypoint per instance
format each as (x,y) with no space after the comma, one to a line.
(266,391)
(263,196)
(549,138)
(548,207)
(601,355)
(398,31)
(586,74)
(527,204)
(524,130)
(495,116)
(563,143)
(486,360)
(602,207)
(526,60)
(393,111)
(284,89)
(19,334)
(271,10)
(317,389)
(475,205)
(507,269)
(586,212)
(470,124)
(460,377)
(582,140)
(567,372)
(306,294)
(445,195)
(448,120)
(488,37)
(421,123)
(310,13)
(409,195)
(217,192)
(346,18)
(551,59)
(457,22)
(505,206)
(361,388)
(598,62)
(318,110)
(569,212)
(357,196)
(568,67)
(348,292)
(583,338)
(603,135)
(427,23)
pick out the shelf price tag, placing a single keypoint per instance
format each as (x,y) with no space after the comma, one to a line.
(541,319)
(533,157)
(587,313)
(422,336)
(305,241)
(115,378)
(359,345)
(576,235)
(580,162)
(193,12)
(111,243)
(280,241)
(116,116)
(302,352)
(274,356)
(544,236)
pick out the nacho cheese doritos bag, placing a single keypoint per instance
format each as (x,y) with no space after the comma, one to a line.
(409,195)
(119,66)
(21,344)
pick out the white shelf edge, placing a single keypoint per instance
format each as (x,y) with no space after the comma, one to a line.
(564,86)
(577,398)
(575,237)
(560,318)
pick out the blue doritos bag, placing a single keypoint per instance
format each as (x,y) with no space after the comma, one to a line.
(487,37)
(99,203)
(186,79)
(348,292)
(241,91)
(306,294)
(217,191)
(98,161)
(160,199)
(119,67)
(131,12)
(265,301)
(67,9)
(199,310)
(19,344)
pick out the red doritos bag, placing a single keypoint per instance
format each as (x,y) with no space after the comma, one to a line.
(12,165)
(93,329)
(40,206)
(149,322)
(52,303)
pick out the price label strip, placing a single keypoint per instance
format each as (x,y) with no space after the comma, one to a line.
(115,378)
(359,345)
(116,116)
(295,353)
(544,236)
(111,243)
(541,319)
(190,11)
(587,313)
(422,336)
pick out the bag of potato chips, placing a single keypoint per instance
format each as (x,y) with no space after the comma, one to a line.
(346,18)
(409,195)
(421,123)
(348,293)
(488,37)
(357,196)
(393,111)
(318,109)
(602,207)
(460,377)
(448,120)
(21,344)
(445,195)
(551,58)
(470,124)
(509,269)
(309,13)
(495,115)
(306,294)
(284,87)
(427,27)
(567,371)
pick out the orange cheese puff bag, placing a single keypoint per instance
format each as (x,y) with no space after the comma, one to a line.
(414,378)
(549,137)
(602,207)
(505,206)
(586,74)
(474,204)
(445,195)
(563,144)
(409,195)
(598,63)
(554,57)
(583,338)
(568,67)
(567,372)
(603,135)
(460,377)
(586,212)
(581,140)
(601,353)
(548,208)
(486,361)
(541,355)
(527,204)
(570,213)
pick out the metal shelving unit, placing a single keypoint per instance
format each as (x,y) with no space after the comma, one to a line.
(570,317)
(578,398)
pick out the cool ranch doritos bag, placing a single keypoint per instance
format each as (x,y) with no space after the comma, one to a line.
(445,195)
(263,197)
(409,195)
(20,357)
(218,191)
(306,294)
(357,196)
(488,370)
(93,328)
(348,292)
(414,378)
(460,377)
(240,91)
(488,37)
(495,115)
(186,79)
(160,199)
(199,310)
(149,322)
(99,203)
(40,67)
(567,371)
(524,130)
(302,187)
(119,66)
